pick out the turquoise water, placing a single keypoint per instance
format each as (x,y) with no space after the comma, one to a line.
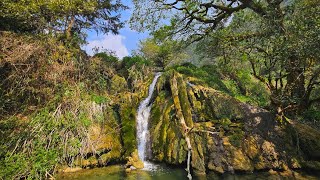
(117,172)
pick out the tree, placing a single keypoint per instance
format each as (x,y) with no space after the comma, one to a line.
(195,19)
(278,38)
(287,62)
(107,56)
(54,16)
(161,52)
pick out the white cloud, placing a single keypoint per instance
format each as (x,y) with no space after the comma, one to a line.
(110,42)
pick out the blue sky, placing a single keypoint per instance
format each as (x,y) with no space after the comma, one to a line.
(123,43)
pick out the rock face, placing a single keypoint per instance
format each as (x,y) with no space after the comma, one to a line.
(113,138)
(134,162)
(226,135)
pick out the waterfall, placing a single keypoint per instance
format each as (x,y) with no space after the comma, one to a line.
(142,122)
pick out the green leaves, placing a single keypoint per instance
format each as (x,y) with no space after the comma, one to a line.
(56,16)
(162,52)
(99,99)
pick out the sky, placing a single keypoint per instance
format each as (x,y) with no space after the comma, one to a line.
(122,44)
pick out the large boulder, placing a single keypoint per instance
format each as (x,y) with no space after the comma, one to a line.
(134,161)
(226,134)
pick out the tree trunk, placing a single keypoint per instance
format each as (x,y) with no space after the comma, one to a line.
(296,84)
(69,28)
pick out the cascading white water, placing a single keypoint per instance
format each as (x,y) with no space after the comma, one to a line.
(142,121)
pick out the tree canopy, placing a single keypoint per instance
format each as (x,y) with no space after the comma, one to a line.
(57,16)
(278,40)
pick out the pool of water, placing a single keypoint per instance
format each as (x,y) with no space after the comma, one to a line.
(117,172)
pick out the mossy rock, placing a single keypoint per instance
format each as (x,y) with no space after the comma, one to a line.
(238,146)
(311,165)
(308,140)
(134,160)
(212,104)
(236,138)
(251,147)
(240,161)
(198,144)
(90,162)
(128,131)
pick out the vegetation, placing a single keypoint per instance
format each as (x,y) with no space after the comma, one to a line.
(231,69)
(276,41)
(68,18)
(60,108)
(240,85)
(161,53)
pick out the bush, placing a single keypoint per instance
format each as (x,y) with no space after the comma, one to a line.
(109,59)
(128,61)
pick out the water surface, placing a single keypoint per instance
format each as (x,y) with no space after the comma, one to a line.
(117,172)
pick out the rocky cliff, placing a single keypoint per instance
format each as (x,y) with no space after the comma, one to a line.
(226,135)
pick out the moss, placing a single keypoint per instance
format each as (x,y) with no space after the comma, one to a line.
(216,105)
(210,104)
(157,110)
(184,101)
(200,107)
(225,123)
(156,133)
(175,150)
(198,158)
(182,151)
(90,162)
(250,146)
(237,138)
(134,160)
(311,165)
(158,126)
(259,163)
(118,84)
(170,145)
(240,161)
(128,115)
(165,132)
(308,140)
(225,107)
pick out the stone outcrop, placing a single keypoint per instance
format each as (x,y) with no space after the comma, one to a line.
(112,138)
(225,134)
(134,162)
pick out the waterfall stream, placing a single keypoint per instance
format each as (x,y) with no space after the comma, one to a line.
(142,123)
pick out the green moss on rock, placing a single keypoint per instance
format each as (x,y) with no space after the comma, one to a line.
(128,115)
(223,136)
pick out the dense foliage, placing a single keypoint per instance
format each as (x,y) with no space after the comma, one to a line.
(58,106)
(61,108)
(68,17)
(276,41)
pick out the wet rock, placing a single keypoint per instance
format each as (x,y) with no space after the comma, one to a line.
(135,161)
(308,140)
(226,135)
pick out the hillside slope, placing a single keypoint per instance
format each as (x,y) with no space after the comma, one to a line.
(60,108)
